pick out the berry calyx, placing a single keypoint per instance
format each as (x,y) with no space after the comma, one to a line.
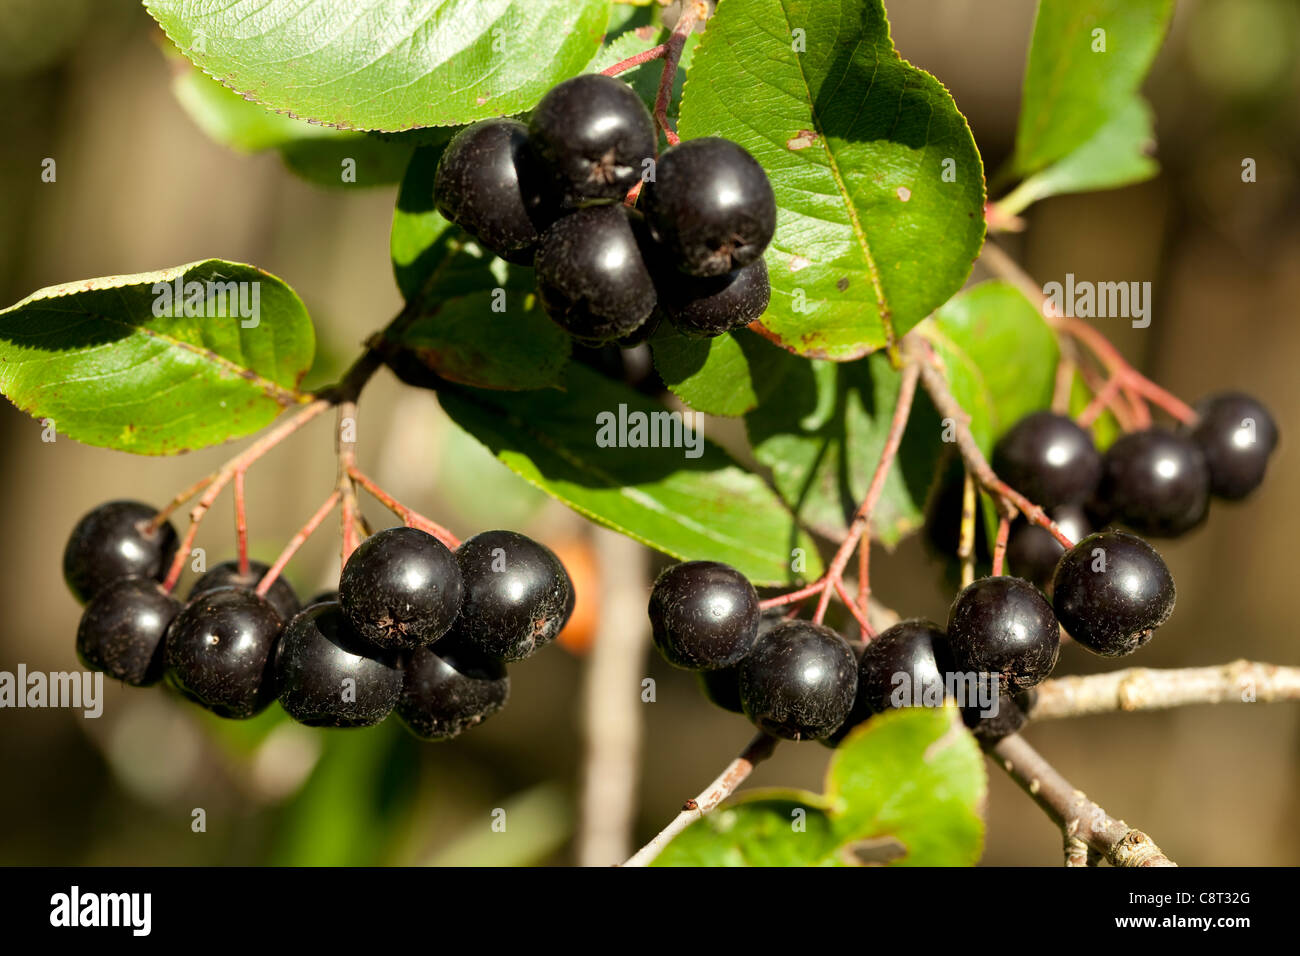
(1032,551)
(710,206)
(799,681)
(122,630)
(484,183)
(1049,459)
(711,306)
(1004,625)
(1111,591)
(449,689)
(1155,481)
(704,615)
(401,588)
(219,652)
(328,675)
(591,278)
(594,135)
(115,541)
(517,597)
(226,575)
(1236,434)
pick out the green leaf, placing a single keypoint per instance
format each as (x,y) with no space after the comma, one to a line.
(370,65)
(766,828)
(704,507)
(94,357)
(907,788)
(1072,88)
(822,434)
(1117,155)
(879,186)
(728,375)
(975,333)
(904,789)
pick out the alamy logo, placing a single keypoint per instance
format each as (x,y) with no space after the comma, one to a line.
(1100,300)
(75,690)
(74,908)
(638,429)
(973,690)
(209,300)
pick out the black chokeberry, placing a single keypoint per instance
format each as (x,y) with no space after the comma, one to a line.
(989,725)
(516,597)
(401,588)
(1004,625)
(1111,591)
(485,185)
(704,615)
(451,688)
(721,686)
(328,675)
(116,540)
(122,630)
(799,681)
(219,652)
(1237,435)
(710,205)
(1049,459)
(591,278)
(711,306)
(226,575)
(1032,552)
(1155,481)
(904,666)
(594,135)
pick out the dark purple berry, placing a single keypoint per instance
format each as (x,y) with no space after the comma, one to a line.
(1155,481)
(1032,552)
(226,575)
(122,630)
(1004,625)
(1049,459)
(799,681)
(704,615)
(989,725)
(710,306)
(115,541)
(516,598)
(219,652)
(451,688)
(401,588)
(1237,435)
(710,205)
(328,675)
(1111,591)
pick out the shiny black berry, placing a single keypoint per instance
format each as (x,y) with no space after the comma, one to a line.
(721,687)
(591,278)
(990,724)
(219,652)
(1049,459)
(450,688)
(594,135)
(401,588)
(710,206)
(115,541)
(328,675)
(904,666)
(704,615)
(1032,552)
(1004,625)
(516,598)
(799,681)
(122,629)
(226,575)
(1155,481)
(1111,591)
(710,306)
(485,184)
(1237,435)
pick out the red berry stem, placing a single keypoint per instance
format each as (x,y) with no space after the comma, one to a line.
(692,12)
(346,451)
(1101,401)
(409,516)
(168,509)
(1000,545)
(241,523)
(636,59)
(296,542)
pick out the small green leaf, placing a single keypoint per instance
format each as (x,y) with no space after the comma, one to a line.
(909,786)
(576,445)
(126,362)
(368,65)
(1086,61)
(764,828)
(879,186)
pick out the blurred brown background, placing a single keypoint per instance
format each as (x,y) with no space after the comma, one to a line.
(140,187)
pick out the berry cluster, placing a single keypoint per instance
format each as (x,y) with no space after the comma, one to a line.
(551,193)
(414,627)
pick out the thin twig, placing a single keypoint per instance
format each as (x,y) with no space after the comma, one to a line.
(296,542)
(692,12)
(409,516)
(966,539)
